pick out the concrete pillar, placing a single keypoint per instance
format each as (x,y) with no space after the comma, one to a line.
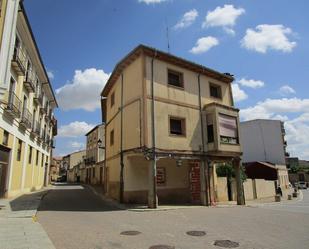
(152,187)
(211,184)
(239,183)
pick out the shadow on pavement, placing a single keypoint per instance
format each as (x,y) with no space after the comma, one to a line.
(27,201)
(74,198)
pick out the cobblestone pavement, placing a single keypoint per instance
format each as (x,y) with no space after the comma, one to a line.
(18,226)
(77,218)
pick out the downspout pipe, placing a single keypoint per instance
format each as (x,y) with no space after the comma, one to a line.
(121,145)
(153,135)
(205,185)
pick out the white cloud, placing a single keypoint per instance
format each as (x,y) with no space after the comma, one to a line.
(238,94)
(151,1)
(251,83)
(187,19)
(50,75)
(84,90)
(270,107)
(268,37)
(76,145)
(297,136)
(225,17)
(286,90)
(74,129)
(204,44)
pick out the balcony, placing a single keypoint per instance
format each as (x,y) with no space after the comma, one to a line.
(38,98)
(14,105)
(44,109)
(47,140)
(26,119)
(54,126)
(53,143)
(30,80)
(222,129)
(19,61)
(89,160)
(48,115)
(35,131)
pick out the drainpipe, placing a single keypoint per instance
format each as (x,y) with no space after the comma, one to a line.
(153,203)
(121,144)
(204,180)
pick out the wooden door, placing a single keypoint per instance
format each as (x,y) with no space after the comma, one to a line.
(4,161)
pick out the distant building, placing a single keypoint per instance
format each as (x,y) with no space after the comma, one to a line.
(73,163)
(95,154)
(264,150)
(55,168)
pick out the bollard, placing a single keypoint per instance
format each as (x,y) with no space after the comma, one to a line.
(289,197)
(295,194)
(277,198)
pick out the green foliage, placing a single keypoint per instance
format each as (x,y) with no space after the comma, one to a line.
(294,169)
(227,170)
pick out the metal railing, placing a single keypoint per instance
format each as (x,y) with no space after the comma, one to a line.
(38,96)
(26,118)
(14,104)
(30,80)
(19,57)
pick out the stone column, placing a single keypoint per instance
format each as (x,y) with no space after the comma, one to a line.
(239,183)
(152,186)
(212,198)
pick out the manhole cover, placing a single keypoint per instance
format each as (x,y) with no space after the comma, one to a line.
(162,247)
(226,243)
(196,233)
(130,233)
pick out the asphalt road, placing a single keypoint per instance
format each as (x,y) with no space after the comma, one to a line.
(301,206)
(76,218)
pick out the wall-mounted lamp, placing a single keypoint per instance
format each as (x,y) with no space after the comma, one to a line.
(100,144)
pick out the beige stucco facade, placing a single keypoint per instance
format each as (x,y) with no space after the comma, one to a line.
(27,122)
(127,111)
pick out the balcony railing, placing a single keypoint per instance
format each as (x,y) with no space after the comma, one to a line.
(19,61)
(47,140)
(53,143)
(38,98)
(29,82)
(26,118)
(14,105)
(35,128)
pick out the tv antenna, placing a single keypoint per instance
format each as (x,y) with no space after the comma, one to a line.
(167,36)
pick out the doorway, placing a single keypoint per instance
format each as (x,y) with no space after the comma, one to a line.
(4,162)
(195,182)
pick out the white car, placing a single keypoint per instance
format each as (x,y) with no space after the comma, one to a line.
(302,185)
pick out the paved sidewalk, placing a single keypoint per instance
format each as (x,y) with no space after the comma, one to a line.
(19,229)
(98,190)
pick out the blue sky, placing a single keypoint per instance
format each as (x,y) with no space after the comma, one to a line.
(262,43)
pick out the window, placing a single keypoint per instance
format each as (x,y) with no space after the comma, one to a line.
(37,157)
(210,133)
(30,155)
(19,149)
(111,138)
(215,91)
(42,161)
(228,129)
(177,126)
(175,78)
(210,128)
(5,140)
(112,99)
